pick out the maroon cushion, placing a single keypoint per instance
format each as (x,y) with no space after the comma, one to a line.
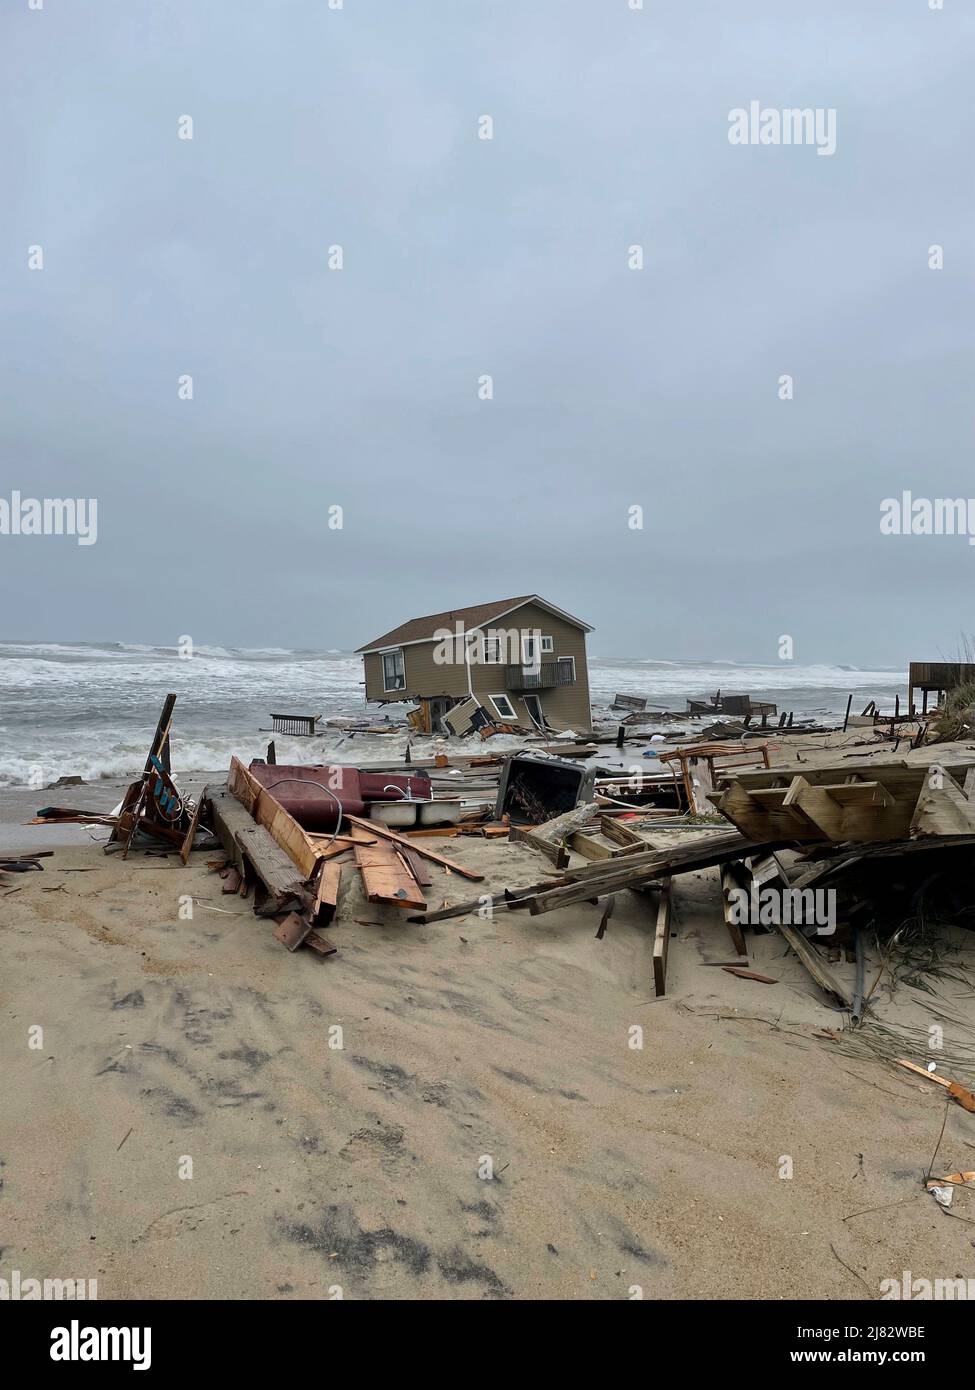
(312,794)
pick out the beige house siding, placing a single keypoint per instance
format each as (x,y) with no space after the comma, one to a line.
(565,706)
(425,677)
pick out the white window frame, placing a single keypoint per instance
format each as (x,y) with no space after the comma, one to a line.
(393,651)
(491,644)
(568,658)
(528,639)
(547,645)
(499,711)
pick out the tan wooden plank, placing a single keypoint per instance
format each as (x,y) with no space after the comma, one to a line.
(375,828)
(729,881)
(385,878)
(282,827)
(621,833)
(661,940)
(187,845)
(591,848)
(813,962)
(944,810)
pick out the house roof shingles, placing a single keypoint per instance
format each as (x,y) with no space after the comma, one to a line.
(423,629)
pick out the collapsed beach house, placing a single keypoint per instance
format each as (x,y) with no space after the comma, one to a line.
(517,662)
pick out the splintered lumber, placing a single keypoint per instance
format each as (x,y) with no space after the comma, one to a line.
(729,884)
(959,1093)
(232,880)
(744,974)
(859,802)
(511,898)
(557,854)
(591,848)
(159,747)
(327,894)
(385,878)
(943,807)
(681,858)
(753,819)
(292,931)
(319,943)
(372,827)
(621,833)
(593,881)
(194,824)
(416,866)
(267,811)
(661,939)
(561,827)
(248,843)
(811,959)
(551,837)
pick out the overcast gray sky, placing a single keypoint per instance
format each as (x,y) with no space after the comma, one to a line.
(612,387)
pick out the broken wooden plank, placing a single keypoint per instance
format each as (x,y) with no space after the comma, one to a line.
(327,893)
(591,848)
(232,880)
(745,974)
(184,853)
(556,853)
(273,867)
(385,878)
(943,808)
(375,828)
(729,884)
(661,940)
(621,833)
(607,914)
(292,931)
(959,1093)
(810,958)
(280,824)
(319,943)
(416,867)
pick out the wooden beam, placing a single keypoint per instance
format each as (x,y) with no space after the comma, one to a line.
(556,854)
(944,810)
(621,833)
(661,940)
(184,853)
(729,882)
(811,959)
(817,807)
(591,848)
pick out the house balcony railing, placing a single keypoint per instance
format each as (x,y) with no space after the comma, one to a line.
(544,677)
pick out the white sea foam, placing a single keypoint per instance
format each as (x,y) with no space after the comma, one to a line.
(89,709)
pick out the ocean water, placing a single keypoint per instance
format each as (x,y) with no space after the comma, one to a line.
(89,709)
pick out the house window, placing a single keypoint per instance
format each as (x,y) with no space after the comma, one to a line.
(529,649)
(491,650)
(565,673)
(394,671)
(504,707)
(548,645)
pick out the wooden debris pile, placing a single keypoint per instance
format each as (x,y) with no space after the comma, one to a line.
(296,874)
(153,810)
(858,803)
(618,859)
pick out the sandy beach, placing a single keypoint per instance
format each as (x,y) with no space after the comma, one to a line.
(485,1129)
